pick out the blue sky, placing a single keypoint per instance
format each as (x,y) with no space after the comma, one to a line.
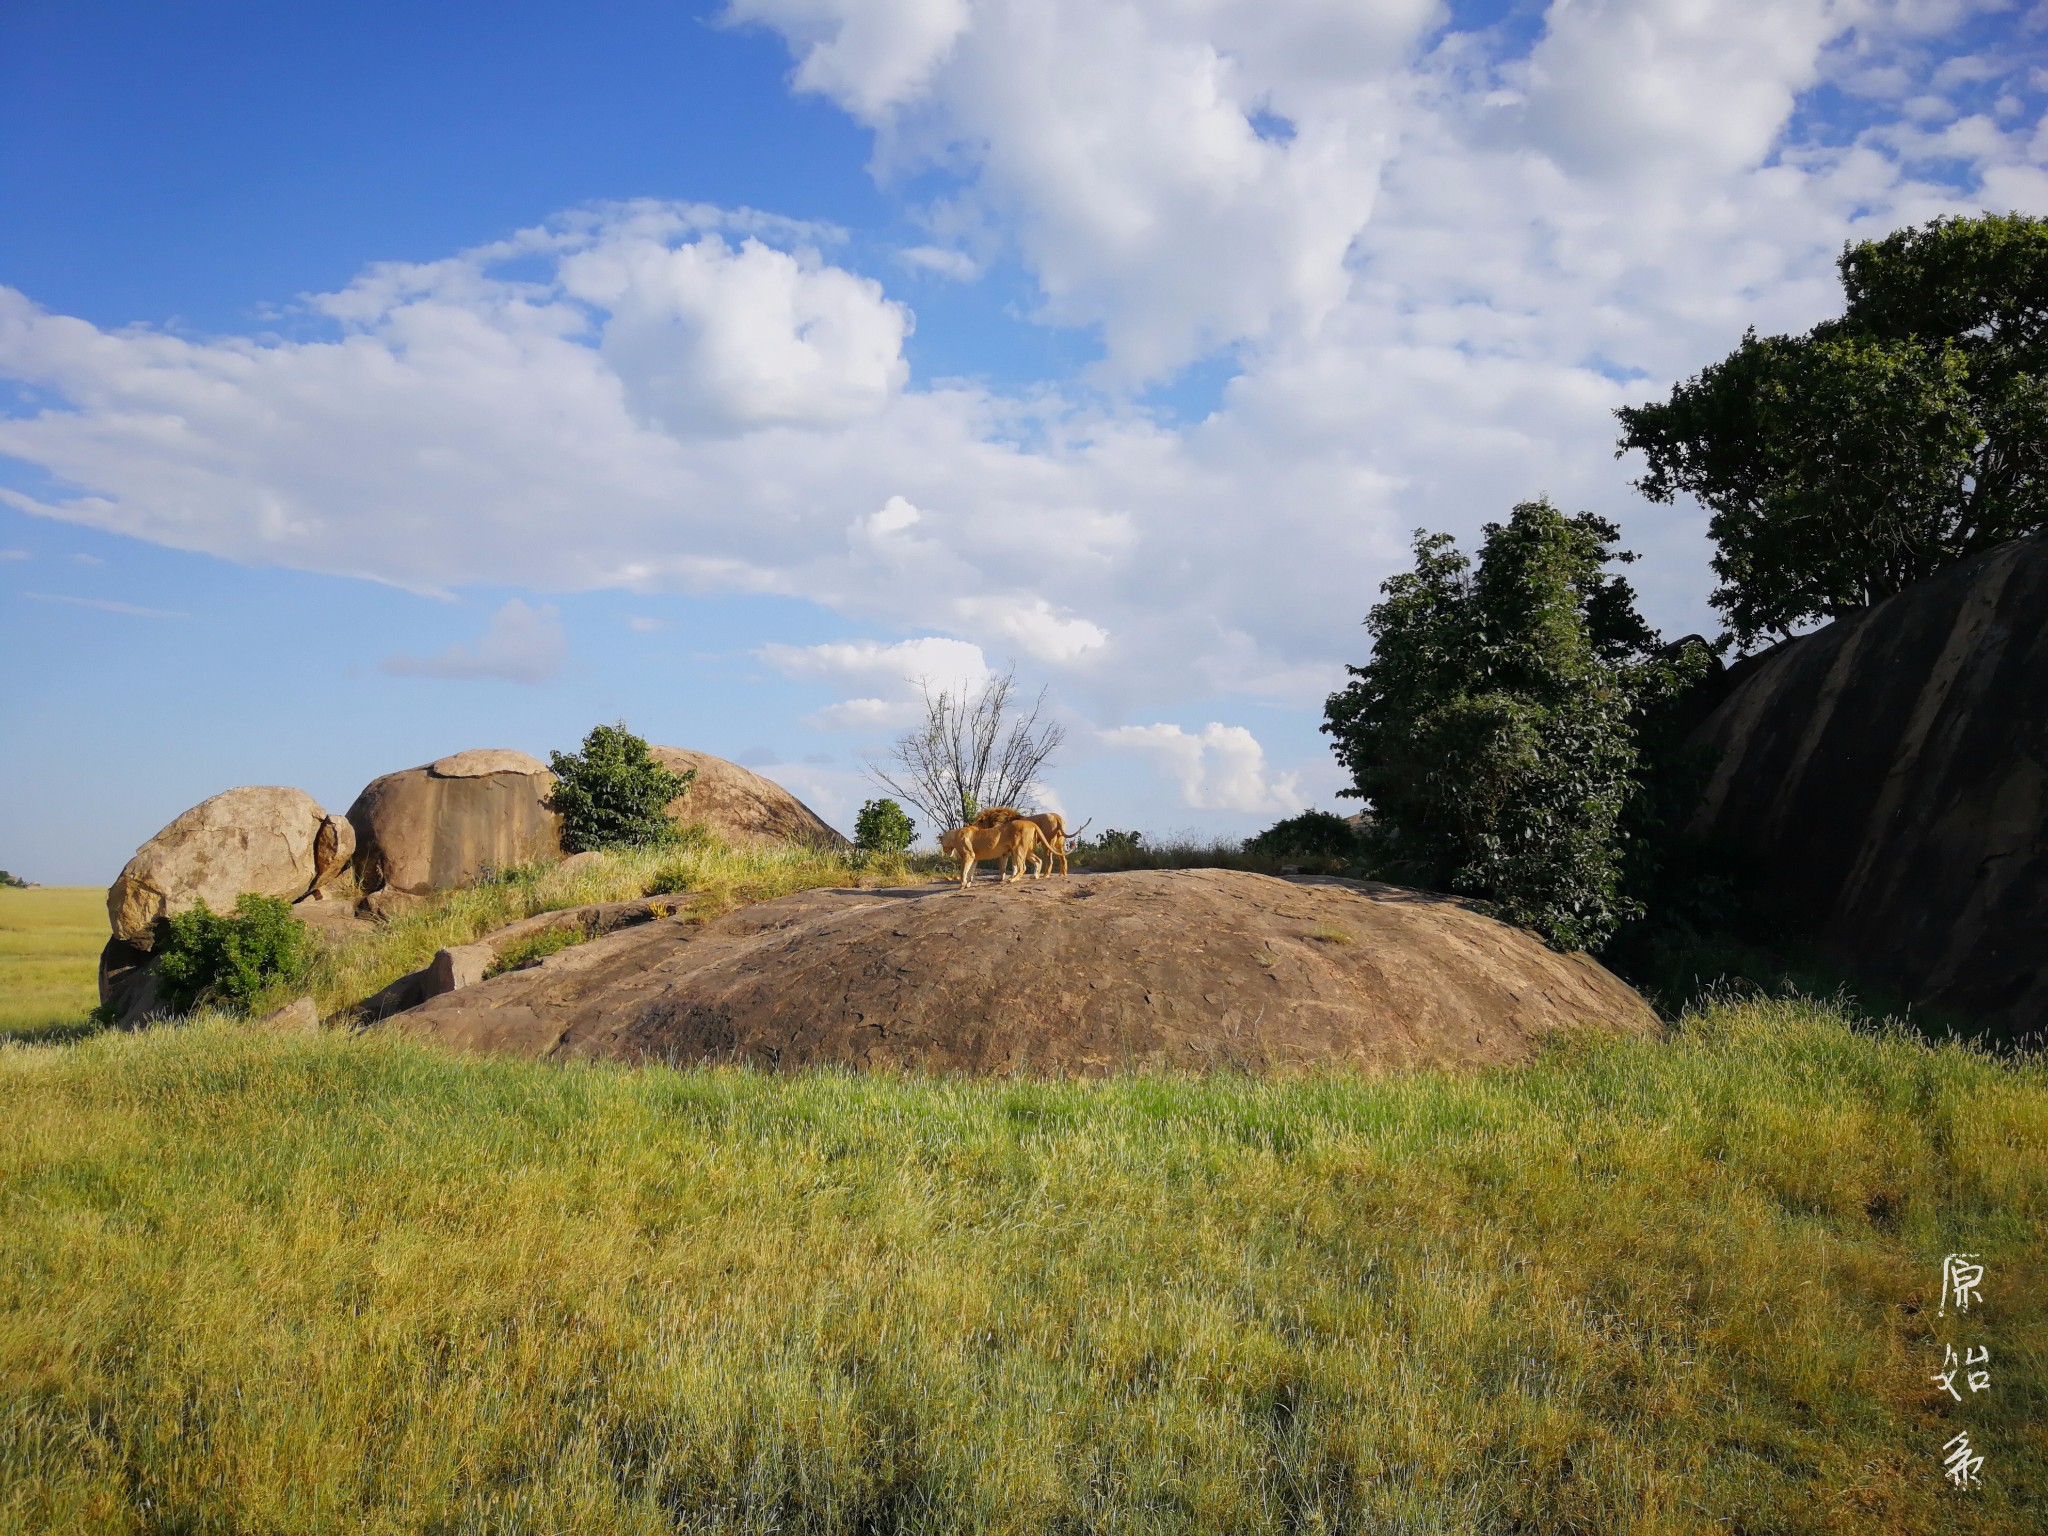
(381,382)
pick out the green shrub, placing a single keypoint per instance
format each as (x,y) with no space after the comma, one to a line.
(1313,834)
(12,882)
(1111,844)
(229,962)
(1495,731)
(613,794)
(883,827)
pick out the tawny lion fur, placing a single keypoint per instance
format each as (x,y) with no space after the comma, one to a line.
(1052,826)
(1016,841)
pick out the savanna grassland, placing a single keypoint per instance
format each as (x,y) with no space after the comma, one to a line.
(50,938)
(350,1283)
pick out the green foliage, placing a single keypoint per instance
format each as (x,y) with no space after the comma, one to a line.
(535,948)
(613,794)
(50,942)
(1313,834)
(353,1283)
(1494,730)
(12,882)
(1843,464)
(883,827)
(1111,844)
(229,962)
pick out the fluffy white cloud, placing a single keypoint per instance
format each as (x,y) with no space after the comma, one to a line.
(1223,768)
(1438,261)
(897,676)
(522,644)
(705,337)
(1184,176)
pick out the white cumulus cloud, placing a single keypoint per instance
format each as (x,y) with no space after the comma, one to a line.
(1220,768)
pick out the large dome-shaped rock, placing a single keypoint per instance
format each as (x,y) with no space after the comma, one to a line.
(739,805)
(265,839)
(1097,974)
(437,827)
(1885,781)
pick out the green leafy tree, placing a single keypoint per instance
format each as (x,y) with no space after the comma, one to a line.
(1312,834)
(1493,731)
(613,793)
(231,961)
(12,882)
(1843,464)
(883,827)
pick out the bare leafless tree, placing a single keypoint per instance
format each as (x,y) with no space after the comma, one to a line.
(970,751)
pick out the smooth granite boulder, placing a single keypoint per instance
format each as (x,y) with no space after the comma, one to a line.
(1885,782)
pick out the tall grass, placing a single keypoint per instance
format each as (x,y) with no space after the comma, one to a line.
(50,940)
(353,1284)
(713,876)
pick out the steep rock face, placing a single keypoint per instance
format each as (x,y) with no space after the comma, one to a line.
(262,838)
(739,805)
(438,827)
(1185,969)
(1885,780)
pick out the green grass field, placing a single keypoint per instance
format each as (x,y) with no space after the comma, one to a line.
(50,941)
(351,1284)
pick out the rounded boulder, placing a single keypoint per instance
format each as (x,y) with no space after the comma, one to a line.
(740,805)
(440,826)
(261,838)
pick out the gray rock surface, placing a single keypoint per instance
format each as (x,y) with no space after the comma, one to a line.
(426,829)
(1885,782)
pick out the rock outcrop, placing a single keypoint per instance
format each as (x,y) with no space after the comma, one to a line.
(1097,974)
(437,827)
(1885,781)
(465,965)
(266,839)
(739,805)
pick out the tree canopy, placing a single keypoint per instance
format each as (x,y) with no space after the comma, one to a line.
(1493,730)
(1843,464)
(614,793)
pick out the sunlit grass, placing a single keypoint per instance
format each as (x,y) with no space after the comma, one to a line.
(50,941)
(715,878)
(352,1284)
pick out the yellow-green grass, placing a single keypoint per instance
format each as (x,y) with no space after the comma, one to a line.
(50,940)
(714,876)
(351,1284)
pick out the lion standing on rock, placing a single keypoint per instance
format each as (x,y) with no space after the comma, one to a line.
(1052,831)
(1017,841)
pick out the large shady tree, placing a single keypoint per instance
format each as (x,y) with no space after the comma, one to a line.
(1843,464)
(1495,731)
(973,748)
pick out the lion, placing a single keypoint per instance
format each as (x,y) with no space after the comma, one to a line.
(1015,841)
(1052,827)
